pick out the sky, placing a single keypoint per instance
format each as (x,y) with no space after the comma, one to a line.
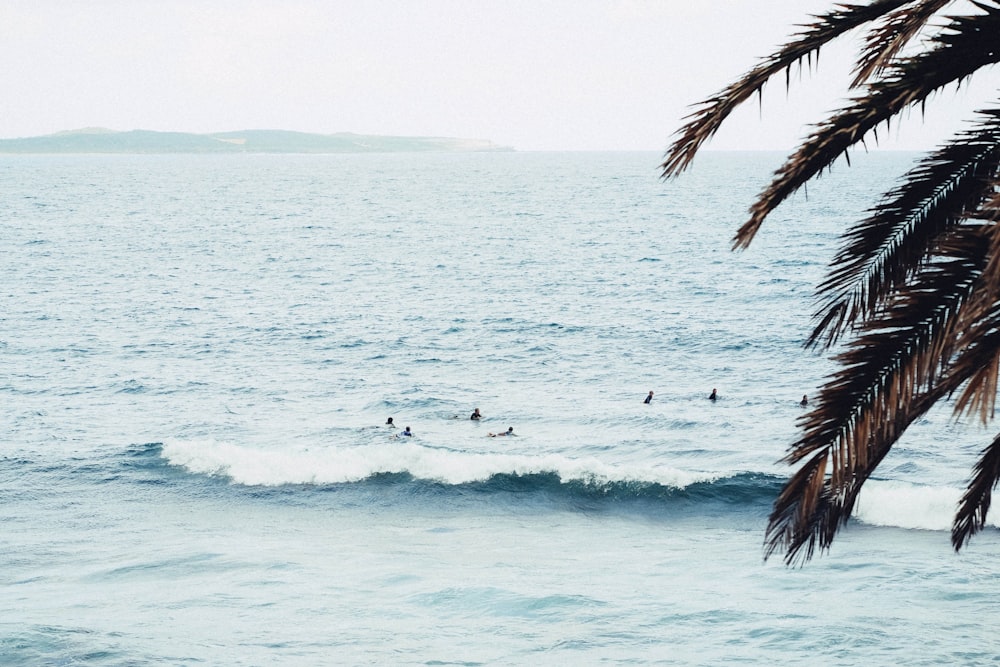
(530,74)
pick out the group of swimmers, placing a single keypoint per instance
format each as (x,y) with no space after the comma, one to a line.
(714,396)
(476,416)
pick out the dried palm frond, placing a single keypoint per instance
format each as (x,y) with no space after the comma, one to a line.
(704,123)
(882,251)
(965,46)
(975,504)
(917,282)
(888,378)
(888,39)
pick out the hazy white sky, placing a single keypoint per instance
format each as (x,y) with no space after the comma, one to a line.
(532,74)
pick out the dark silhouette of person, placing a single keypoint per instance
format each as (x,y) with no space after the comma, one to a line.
(648,398)
(805,400)
(388,422)
(475,415)
(713,395)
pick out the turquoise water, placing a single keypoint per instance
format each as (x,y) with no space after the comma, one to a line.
(200,354)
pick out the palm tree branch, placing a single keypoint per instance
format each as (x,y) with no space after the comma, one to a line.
(891,36)
(703,123)
(883,250)
(964,47)
(889,377)
(975,502)
(979,360)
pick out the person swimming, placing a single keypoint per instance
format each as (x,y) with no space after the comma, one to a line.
(713,395)
(805,400)
(388,422)
(648,398)
(407,431)
(509,431)
(475,415)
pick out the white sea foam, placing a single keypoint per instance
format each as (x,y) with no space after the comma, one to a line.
(904,505)
(272,467)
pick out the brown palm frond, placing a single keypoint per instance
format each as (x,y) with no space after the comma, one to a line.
(809,517)
(712,112)
(890,37)
(980,393)
(979,360)
(917,282)
(967,45)
(882,251)
(975,502)
(990,211)
(888,378)
(923,316)
(802,501)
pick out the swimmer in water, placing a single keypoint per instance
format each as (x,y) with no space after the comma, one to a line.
(509,431)
(407,431)
(475,415)
(388,422)
(713,395)
(805,401)
(648,398)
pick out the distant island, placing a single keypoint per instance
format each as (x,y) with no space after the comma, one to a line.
(101,140)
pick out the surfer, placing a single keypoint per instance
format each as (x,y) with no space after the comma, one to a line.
(648,398)
(388,422)
(509,431)
(713,395)
(407,431)
(475,415)
(805,401)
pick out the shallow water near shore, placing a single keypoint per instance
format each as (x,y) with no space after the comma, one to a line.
(201,352)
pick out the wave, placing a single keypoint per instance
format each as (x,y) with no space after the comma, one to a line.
(904,505)
(883,503)
(319,466)
(412,463)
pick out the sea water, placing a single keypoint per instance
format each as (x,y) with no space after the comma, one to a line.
(199,355)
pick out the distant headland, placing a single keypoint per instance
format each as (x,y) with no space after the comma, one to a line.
(101,140)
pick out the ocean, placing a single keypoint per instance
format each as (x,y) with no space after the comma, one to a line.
(199,355)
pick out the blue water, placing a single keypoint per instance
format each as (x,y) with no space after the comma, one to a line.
(199,354)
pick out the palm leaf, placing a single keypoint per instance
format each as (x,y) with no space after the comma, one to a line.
(712,112)
(891,36)
(967,45)
(884,250)
(979,359)
(975,503)
(889,377)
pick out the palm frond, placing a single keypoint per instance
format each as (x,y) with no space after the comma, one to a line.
(803,501)
(891,36)
(980,393)
(882,251)
(965,46)
(712,112)
(979,358)
(889,377)
(975,502)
